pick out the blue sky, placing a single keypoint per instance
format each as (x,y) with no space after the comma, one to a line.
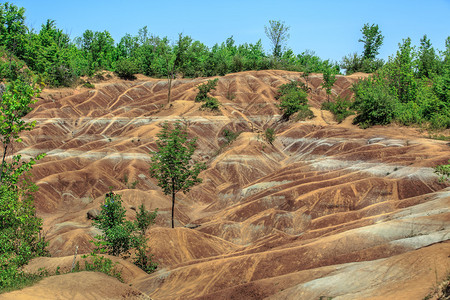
(330,28)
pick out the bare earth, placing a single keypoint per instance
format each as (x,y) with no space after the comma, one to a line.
(327,210)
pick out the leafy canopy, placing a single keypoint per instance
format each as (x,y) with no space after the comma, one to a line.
(120,236)
(372,39)
(20,240)
(278,34)
(172,163)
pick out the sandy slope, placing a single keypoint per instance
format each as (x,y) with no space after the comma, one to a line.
(327,210)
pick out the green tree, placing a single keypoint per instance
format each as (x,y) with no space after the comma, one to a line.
(49,54)
(120,236)
(293,98)
(172,163)
(16,102)
(427,60)
(373,101)
(13,29)
(400,72)
(368,63)
(328,82)
(278,34)
(117,232)
(372,39)
(443,171)
(99,49)
(20,238)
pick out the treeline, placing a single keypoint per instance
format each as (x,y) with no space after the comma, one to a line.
(412,87)
(58,60)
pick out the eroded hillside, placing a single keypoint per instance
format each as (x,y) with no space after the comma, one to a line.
(327,210)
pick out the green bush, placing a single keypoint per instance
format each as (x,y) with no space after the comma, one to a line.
(440,120)
(230,136)
(204,89)
(340,108)
(443,171)
(286,88)
(354,63)
(126,68)
(292,102)
(373,102)
(210,103)
(20,238)
(293,97)
(12,278)
(269,135)
(121,236)
(304,113)
(117,232)
(409,113)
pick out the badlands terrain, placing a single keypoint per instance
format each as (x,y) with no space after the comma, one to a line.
(328,210)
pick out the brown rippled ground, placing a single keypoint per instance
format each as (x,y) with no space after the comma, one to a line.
(327,210)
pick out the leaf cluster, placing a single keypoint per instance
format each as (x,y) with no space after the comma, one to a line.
(20,238)
(120,236)
(57,60)
(401,91)
(292,99)
(270,135)
(171,165)
(443,171)
(341,108)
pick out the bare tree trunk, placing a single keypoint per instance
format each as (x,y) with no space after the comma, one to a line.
(173,202)
(74,259)
(3,162)
(169,79)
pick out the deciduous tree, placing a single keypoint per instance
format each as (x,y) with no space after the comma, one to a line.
(278,34)
(172,163)
(372,39)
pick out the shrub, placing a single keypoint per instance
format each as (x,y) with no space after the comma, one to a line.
(88,85)
(126,68)
(20,238)
(269,135)
(354,63)
(204,89)
(286,88)
(211,103)
(440,120)
(340,109)
(12,278)
(230,136)
(292,102)
(373,102)
(120,236)
(96,263)
(443,171)
(304,113)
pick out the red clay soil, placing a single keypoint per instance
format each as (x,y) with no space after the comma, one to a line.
(327,210)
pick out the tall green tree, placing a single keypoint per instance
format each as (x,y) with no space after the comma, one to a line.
(372,39)
(20,240)
(99,49)
(16,102)
(328,82)
(172,164)
(427,60)
(401,73)
(49,54)
(12,28)
(278,34)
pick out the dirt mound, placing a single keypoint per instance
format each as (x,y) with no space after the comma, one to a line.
(291,219)
(82,285)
